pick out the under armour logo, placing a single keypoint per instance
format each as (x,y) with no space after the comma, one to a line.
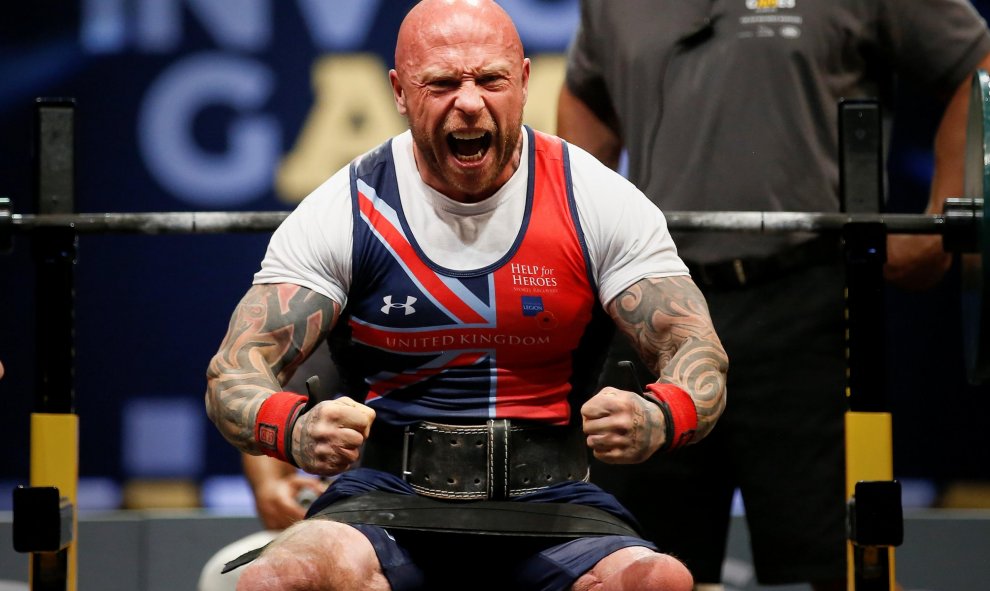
(410,300)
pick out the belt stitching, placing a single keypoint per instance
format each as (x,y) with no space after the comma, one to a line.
(491,459)
(505,453)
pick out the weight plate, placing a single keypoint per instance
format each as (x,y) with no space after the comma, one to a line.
(976,274)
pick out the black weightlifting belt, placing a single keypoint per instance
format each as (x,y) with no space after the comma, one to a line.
(496,460)
(744,272)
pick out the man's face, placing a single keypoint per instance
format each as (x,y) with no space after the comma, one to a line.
(462,88)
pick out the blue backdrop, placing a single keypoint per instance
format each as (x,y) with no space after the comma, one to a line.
(202,105)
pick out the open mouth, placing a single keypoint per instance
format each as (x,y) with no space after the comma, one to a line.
(469,146)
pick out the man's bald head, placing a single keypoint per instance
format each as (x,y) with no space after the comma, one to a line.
(440,22)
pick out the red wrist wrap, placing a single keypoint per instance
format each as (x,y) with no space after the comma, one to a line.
(679,412)
(273,428)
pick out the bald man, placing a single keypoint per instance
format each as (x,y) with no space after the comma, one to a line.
(467,274)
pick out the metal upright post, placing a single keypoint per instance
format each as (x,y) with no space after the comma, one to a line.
(54,426)
(874,504)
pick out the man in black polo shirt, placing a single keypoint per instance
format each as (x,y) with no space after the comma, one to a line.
(726,106)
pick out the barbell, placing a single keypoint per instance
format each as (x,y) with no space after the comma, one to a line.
(959,224)
(963,226)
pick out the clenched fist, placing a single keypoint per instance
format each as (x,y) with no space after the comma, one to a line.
(327,440)
(622,427)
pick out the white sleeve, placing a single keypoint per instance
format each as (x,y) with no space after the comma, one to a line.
(313,246)
(626,234)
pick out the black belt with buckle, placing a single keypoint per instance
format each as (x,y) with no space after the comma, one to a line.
(743,272)
(495,460)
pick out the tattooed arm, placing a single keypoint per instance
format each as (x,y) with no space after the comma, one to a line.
(667,320)
(273,330)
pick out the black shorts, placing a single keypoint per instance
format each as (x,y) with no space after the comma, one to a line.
(413,560)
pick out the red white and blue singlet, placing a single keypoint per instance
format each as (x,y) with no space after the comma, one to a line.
(521,338)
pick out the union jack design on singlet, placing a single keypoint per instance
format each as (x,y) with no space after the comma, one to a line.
(504,341)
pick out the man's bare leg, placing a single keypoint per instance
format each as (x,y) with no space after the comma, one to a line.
(636,569)
(316,555)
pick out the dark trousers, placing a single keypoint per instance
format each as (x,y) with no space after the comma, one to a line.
(780,440)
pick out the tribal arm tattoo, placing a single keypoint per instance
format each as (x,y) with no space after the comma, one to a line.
(272,331)
(667,320)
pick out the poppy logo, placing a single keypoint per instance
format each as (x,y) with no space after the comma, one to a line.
(546,320)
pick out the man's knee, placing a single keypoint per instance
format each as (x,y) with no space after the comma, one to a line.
(315,555)
(657,572)
(636,569)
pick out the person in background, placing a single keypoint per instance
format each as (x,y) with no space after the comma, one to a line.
(727,106)
(466,274)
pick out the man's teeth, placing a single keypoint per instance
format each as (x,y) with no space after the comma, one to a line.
(476,156)
(458,135)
